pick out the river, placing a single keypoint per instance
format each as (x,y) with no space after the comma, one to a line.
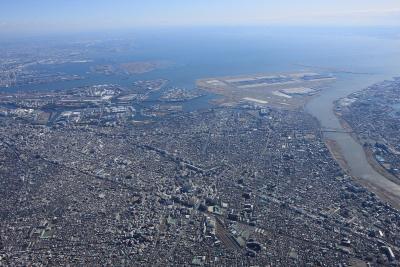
(321,107)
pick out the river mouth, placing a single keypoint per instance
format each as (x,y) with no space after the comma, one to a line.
(347,151)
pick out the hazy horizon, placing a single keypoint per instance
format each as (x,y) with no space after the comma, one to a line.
(29,17)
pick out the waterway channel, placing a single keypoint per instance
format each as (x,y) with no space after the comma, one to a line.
(321,107)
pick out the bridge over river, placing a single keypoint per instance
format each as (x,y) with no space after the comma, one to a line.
(322,107)
(335,130)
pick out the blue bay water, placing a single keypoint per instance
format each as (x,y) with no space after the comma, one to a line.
(199,53)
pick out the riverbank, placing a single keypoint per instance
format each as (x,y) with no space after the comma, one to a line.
(337,154)
(372,185)
(368,152)
(383,194)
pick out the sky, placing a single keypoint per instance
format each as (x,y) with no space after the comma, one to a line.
(30,16)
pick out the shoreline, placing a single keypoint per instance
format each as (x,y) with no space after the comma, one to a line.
(337,154)
(368,152)
(385,196)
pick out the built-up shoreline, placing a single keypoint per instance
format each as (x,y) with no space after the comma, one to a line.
(348,151)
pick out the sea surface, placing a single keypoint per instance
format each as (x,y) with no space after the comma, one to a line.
(358,57)
(211,52)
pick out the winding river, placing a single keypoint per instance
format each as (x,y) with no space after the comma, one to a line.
(322,108)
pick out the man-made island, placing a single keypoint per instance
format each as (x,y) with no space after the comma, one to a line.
(279,90)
